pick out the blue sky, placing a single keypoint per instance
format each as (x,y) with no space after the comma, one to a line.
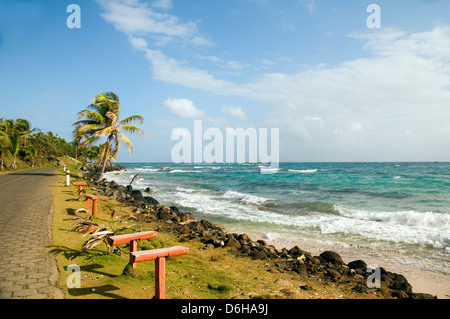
(337,90)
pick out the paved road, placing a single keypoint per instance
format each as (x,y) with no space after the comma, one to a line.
(26,270)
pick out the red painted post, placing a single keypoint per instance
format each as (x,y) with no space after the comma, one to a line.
(94,205)
(158,255)
(80,186)
(94,209)
(160,278)
(133,247)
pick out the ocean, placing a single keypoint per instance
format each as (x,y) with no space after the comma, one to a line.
(394,214)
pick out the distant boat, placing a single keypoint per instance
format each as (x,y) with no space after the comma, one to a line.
(163,168)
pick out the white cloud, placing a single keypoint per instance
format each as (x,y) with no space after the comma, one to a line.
(183,108)
(162,4)
(172,71)
(138,43)
(234,111)
(137,18)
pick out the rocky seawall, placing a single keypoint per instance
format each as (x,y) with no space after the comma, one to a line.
(328,266)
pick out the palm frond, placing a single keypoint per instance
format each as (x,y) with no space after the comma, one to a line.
(107,131)
(96,238)
(131,119)
(89,141)
(89,129)
(127,143)
(133,129)
(92,116)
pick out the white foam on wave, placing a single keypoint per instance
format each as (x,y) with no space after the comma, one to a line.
(147,169)
(209,203)
(430,229)
(190,190)
(408,218)
(183,171)
(264,169)
(246,198)
(303,171)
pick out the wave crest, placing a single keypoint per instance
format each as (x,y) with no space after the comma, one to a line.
(246,198)
(303,171)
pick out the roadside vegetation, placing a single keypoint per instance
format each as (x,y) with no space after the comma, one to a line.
(95,139)
(22,146)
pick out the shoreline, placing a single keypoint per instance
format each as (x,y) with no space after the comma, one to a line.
(258,246)
(434,283)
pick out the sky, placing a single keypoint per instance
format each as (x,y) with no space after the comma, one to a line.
(335,87)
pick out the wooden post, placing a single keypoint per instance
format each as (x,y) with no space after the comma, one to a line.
(159,256)
(94,209)
(94,205)
(80,186)
(160,278)
(133,247)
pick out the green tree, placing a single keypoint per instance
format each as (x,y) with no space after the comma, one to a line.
(93,153)
(51,146)
(101,119)
(30,153)
(4,141)
(81,149)
(16,141)
(13,137)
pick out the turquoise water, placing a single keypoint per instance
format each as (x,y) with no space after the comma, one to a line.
(402,204)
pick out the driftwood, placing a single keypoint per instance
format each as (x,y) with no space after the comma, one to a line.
(134,177)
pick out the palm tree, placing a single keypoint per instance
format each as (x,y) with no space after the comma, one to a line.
(16,141)
(30,153)
(93,153)
(101,119)
(13,137)
(24,128)
(4,141)
(80,148)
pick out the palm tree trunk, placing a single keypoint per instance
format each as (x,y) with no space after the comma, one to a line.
(105,160)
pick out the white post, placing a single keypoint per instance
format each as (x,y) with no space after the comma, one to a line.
(67,178)
(64,168)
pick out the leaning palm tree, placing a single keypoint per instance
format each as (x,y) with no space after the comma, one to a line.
(101,119)
(16,141)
